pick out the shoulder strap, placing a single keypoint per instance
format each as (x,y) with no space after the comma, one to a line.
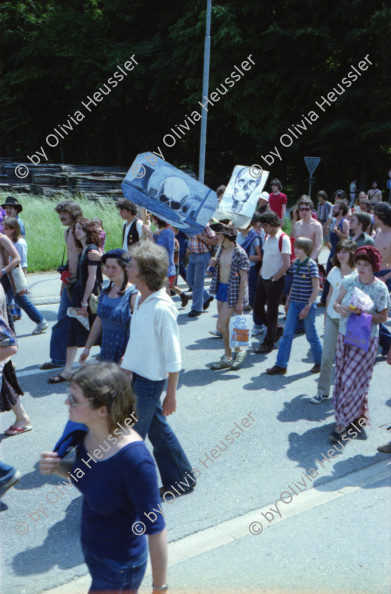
(280,240)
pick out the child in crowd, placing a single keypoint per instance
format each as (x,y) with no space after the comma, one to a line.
(300,305)
(12,230)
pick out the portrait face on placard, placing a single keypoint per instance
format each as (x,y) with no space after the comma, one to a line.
(244,186)
(169,193)
(241,195)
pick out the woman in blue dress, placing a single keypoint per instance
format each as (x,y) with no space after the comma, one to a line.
(114,310)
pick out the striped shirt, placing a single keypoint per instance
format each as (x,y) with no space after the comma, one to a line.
(303,273)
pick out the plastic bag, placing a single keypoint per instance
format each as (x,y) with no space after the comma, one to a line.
(240,331)
(358,331)
(360,300)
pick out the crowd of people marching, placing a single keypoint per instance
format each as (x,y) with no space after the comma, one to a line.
(116,401)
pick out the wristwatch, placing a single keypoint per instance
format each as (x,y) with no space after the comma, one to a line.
(160,588)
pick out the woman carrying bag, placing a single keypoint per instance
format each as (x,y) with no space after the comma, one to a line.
(354,364)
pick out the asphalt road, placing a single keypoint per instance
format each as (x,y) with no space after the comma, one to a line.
(332,537)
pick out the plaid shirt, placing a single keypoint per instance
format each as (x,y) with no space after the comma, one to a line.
(239,262)
(196,245)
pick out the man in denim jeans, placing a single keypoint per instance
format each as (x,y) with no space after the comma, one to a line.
(69,212)
(199,255)
(152,355)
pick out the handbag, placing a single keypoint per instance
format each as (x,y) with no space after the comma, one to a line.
(93,303)
(358,331)
(17,279)
(240,327)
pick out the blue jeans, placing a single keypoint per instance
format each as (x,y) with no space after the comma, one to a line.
(115,576)
(59,337)
(24,302)
(170,458)
(284,349)
(195,277)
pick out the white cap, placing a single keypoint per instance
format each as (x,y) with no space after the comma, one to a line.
(264,196)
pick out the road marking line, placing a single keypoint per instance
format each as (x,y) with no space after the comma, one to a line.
(230,530)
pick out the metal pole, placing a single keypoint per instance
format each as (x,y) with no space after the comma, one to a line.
(205,88)
(309,189)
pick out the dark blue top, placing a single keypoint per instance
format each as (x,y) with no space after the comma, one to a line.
(115,316)
(166,239)
(117,492)
(303,273)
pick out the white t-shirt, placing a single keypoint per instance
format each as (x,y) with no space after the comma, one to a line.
(272,256)
(336,281)
(127,227)
(21,248)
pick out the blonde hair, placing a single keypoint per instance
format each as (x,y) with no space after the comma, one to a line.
(305,244)
(152,262)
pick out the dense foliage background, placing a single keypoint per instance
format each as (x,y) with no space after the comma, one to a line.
(54,53)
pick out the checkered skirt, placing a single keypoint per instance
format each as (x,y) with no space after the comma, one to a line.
(353,373)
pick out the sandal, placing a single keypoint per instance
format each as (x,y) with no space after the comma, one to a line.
(17,430)
(57,379)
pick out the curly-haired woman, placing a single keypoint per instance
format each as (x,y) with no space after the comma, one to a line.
(353,365)
(88,282)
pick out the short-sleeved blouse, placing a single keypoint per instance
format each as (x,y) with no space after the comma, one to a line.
(115,315)
(377,291)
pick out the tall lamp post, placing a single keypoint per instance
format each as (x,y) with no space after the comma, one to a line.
(205,88)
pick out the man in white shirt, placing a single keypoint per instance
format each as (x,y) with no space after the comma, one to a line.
(132,230)
(271,279)
(152,356)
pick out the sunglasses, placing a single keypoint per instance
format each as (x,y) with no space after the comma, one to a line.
(73,402)
(304,208)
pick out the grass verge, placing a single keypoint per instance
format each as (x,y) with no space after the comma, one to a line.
(45,234)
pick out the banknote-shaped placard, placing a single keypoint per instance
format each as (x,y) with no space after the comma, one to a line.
(169,193)
(241,196)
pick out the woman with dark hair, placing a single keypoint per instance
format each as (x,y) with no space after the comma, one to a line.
(119,488)
(114,309)
(88,282)
(353,365)
(339,230)
(343,266)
